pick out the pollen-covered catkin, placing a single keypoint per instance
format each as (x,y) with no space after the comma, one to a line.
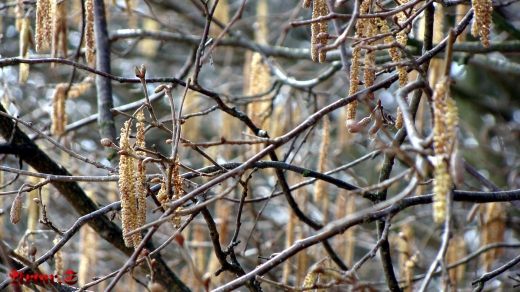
(259,83)
(59,115)
(481,26)
(58,258)
(321,196)
(25,40)
(16,209)
(127,187)
(442,180)
(493,229)
(363,26)
(319,8)
(140,181)
(59,40)
(89,30)
(44,23)
(456,251)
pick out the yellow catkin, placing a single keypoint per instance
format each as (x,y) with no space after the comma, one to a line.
(436,68)
(89,243)
(58,260)
(319,8)
(456,251)
(178,192)
(78,89)
(140,183)
(44,23)
(310,279)
(22,248)
(445,121)
(59,41)
(59,115)
(127,187)
(369,74)
(16,209)
(481,26)
(320,191)
(200,260)
(148,47)
(324,278)
(492,231)
(89,31)
(408,275)
(292,221)
(162,196)
(258,83)
(402,38)
(221,14)
(19,12)
(461,11)
(306,3)
(25,41)
(355,70)
(404,248)
(224,208)
(302,258)
(262,15)
(33,209)
(343,243)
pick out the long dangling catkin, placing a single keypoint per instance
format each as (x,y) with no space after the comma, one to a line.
(436,68)
(402,38)
(58,261)
(302,258)
(127,187)
(200,260)
(456,251)
(33,209)
(16,209)
(178,192)
(404,248)
(59,115)
(290,229)
(148,47)
(78,89)
(59,41)
(355,71)
(221,14)
(25,40)
(262,15)
(258,83)
(461,11)
(442,181)
(369,74)
(492,231)
(481,26)
(140,181)
(44,23)
(321,196)
(319,8)
(89,31)
(89,243)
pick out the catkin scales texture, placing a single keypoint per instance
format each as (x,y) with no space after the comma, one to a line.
(481,26)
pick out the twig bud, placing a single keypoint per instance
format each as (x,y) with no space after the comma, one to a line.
(106,142)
